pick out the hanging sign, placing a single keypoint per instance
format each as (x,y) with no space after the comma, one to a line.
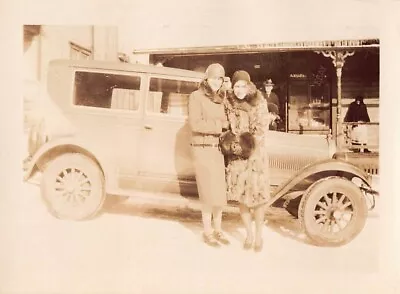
(297,76)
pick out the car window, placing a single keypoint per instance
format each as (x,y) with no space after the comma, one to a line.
(104,90)
(169,96)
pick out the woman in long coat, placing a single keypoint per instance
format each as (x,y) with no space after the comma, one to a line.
(357,112)
(248,179)
(208,120)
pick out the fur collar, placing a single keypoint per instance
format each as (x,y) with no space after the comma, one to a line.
(252,99)
(217,97)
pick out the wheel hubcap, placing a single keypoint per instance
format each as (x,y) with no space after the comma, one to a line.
(333,212)
(73,186)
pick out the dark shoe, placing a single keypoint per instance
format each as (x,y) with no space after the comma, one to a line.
(210,240)
(367,151)
(219,236)
(258,246)
(248,243)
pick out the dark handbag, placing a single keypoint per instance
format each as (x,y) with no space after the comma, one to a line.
(241,145)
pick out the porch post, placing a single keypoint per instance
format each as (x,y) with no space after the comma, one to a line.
(338,59)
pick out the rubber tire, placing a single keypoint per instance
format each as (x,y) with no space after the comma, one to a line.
(91,170)
(311,197)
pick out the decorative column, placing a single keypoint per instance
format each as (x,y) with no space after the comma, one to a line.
(338,59)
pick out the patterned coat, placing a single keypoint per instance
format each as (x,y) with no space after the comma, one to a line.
(248,180)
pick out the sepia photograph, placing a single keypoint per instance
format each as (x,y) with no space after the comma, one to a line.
(184,149)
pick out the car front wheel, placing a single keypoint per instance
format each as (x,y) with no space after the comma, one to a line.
(72,187)
(333,211)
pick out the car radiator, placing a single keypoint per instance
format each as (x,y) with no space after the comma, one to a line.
(369,162)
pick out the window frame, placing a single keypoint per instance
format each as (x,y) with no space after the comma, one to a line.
(166,77)
(80,50)
(102,110)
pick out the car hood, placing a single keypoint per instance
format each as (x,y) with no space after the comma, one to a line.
(47,121)
(288,143)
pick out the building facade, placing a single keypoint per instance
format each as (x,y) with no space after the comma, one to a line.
(311,78)
(44,43)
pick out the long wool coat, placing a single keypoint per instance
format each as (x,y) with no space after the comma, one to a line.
(248,180)
(358,112)
(206,117)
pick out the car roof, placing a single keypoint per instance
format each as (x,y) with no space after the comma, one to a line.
(123,66)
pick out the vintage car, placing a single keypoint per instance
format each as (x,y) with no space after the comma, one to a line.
(121,129)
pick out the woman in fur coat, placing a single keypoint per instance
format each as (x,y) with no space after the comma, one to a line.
(207,120)
(248,179)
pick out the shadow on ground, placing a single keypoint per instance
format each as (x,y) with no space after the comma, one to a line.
(289,228)
(276,220)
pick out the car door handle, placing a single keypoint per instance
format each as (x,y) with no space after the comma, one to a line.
(148,127)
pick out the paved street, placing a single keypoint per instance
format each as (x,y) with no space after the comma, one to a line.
(134,248)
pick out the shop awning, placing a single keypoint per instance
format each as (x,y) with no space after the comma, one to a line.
(265,47)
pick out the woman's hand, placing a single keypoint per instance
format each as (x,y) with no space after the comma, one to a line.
(272,116)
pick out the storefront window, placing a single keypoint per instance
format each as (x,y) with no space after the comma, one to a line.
(320,107)
(309,107)
(78,52)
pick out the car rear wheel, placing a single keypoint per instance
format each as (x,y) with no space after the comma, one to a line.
(72,187)
(333,211)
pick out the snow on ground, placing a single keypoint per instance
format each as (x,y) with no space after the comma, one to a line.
(133,247)
(137,248)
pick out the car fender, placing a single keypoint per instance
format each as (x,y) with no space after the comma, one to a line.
(60,146)
(319,170)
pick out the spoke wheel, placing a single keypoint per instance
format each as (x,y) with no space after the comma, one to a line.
(72,187)
(333,211)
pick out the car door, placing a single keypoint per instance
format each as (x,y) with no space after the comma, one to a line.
(127,98)
(106,114)
(165,161)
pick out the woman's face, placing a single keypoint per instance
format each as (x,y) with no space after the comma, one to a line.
(215,83)
(241,89)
